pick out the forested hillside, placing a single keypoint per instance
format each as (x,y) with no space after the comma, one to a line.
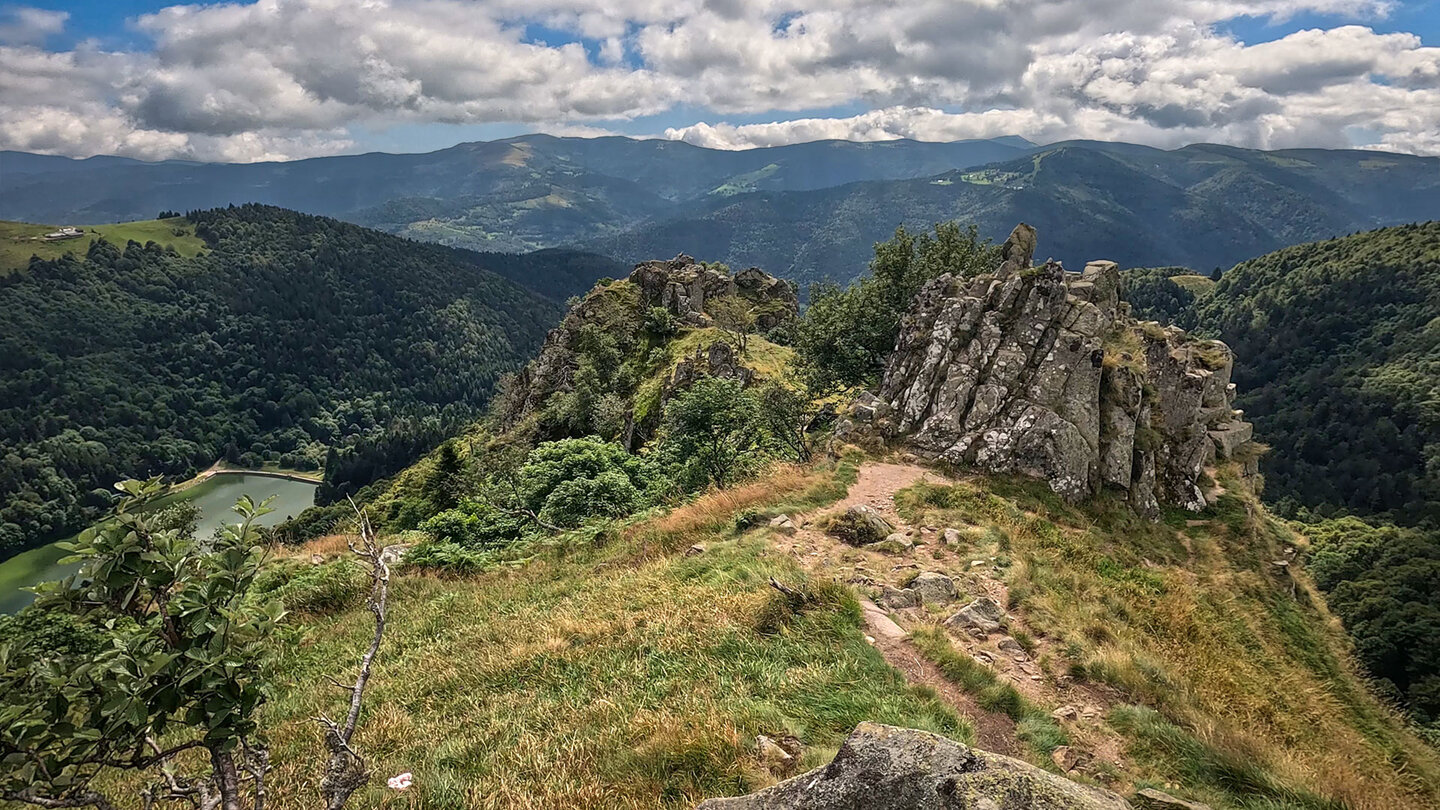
(1339,367)
(1202,206)
(521,193)
(290,338)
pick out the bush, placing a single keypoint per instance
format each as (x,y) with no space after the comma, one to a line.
(780,609)
(609,494)
(450,557)
(475,525)
(314,589)
(587,468)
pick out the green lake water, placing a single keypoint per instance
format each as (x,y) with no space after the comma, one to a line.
(215,496)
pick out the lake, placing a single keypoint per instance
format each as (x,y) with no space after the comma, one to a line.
(214,496)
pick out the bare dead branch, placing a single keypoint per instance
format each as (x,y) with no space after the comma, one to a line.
(346,770)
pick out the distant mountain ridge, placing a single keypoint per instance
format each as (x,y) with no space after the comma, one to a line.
(520,193)
(808,211)
(1201,206)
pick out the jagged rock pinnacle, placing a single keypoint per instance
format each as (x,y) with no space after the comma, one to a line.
(1040,372)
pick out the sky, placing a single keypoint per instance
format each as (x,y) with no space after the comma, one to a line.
(289,79)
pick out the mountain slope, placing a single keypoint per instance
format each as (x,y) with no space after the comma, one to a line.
(1202,206)
(289,336)
(1338,347)
(520,193)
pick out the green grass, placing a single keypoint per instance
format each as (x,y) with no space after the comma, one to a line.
(610,676)
(17,246)
(1229,778)
(1194,623)
(1034,726)
(1194,283)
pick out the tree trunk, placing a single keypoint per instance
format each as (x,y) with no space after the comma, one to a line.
(227,778)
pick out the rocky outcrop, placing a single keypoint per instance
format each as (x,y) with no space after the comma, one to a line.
(618,316)
(1041,372)
(887,768)
(684,287)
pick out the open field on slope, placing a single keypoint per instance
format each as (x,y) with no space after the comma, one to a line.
(615,670)
(21,240)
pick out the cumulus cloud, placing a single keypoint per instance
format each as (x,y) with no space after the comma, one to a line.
(289,78)
(24,25)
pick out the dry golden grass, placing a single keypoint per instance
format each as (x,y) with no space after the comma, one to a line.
(610,676)
(329,546)
(716,510)
(1195,622)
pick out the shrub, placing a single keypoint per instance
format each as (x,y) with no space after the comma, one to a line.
(782,608)
(315,589)
(475,525)
(609,494)
(450,557)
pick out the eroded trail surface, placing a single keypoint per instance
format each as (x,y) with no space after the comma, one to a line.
(879,572)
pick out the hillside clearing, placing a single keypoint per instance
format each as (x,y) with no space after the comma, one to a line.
(21,240)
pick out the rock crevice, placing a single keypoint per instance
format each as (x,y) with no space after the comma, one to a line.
(1041,372)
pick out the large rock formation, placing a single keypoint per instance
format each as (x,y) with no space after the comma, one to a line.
(887,768)
(684,287)
(619,314)
(1042,372)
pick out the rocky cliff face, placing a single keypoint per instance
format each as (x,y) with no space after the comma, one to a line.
(1042,372)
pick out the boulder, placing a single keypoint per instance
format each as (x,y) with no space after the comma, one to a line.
(860,525)
(783,524)
(983,614)
(393,554)
(772,755)
(1011,646)
(1043,373)
(898,541)
(1069,759)
(933,588)
(898,599)
(950,537)
(887,768)
(1152,799)
(1231,436)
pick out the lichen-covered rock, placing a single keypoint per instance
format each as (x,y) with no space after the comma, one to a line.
(983,614)
(898,598)
(860,525)
(683,287)
(1039,372)
(1152,799)
(933,588)
(887,768)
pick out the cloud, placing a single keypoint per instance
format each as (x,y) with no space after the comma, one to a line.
(290,78)
(24,25)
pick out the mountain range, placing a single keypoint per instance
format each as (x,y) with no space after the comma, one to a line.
(807,212)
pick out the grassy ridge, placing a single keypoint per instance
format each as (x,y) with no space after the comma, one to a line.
(1234,680)
(622,672)
(18,240)
(617,676)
